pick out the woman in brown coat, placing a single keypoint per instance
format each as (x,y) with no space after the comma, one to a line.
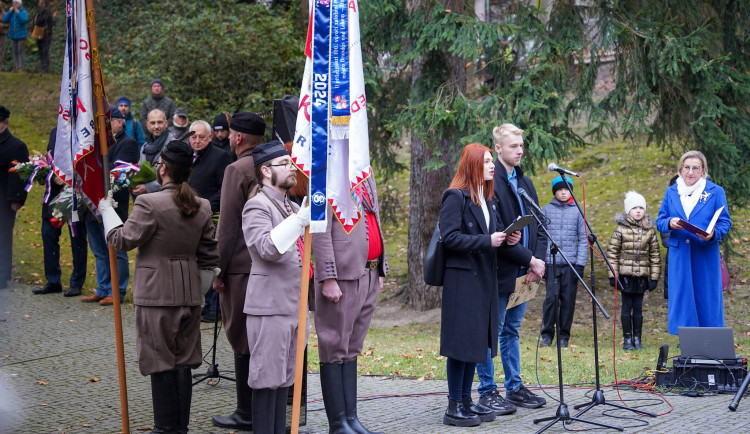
(174,234)
(634,253)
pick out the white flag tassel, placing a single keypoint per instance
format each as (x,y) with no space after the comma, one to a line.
(333,107)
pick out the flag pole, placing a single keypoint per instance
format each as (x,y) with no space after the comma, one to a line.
(101,134)
(301,330)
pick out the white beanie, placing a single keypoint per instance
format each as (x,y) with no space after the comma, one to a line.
(634,199)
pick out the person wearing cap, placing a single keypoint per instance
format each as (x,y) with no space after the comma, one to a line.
(180,124)
(245,134)
(157,100)
(273,225)
(125,149)
(17,17)
(12,192)
(634,253)
(156,139)
(351,268)
(566,227)
(132,126)
(221,133)
(173,232)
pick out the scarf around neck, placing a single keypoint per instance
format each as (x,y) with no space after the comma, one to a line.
(688,198)
(153,148)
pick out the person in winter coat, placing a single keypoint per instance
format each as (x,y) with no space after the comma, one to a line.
(132,127)
(634,253)
(17,17)
(44,19)
(695,294)
(567,229)
(469,318)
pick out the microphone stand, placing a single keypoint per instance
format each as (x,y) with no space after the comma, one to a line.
(213,367)
(598,398)
(562,414)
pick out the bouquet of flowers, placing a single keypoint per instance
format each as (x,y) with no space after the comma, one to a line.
(121,177)
(62,207)
(145,175)
(38,167)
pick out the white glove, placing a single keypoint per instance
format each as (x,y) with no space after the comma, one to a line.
(286,233)
(110,219)
(207,278)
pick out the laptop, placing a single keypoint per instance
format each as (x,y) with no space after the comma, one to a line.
(707,342)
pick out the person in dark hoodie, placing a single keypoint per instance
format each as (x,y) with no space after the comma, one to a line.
(568,231)
(157,100)
(221,133)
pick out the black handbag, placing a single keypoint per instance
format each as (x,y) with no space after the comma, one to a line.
(434,260)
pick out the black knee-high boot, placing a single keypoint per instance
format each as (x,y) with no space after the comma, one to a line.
(242,418)
(637,329)
(627,332)
(331,384)
(282,394)
(349,376)
(184,376)
(166,407)
(264,411)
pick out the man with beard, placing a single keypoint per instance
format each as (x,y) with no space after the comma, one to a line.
(12,193)
(126,149)
(351,268)
(157,137)
(245,134)
(207,178)
(221,133)
(272,225)
(157,100)
(132,126)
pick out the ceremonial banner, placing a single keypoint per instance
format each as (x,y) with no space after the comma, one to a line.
(76,149)
(331,144)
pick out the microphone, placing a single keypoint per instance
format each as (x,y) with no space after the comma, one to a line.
(555,168)
(530,201)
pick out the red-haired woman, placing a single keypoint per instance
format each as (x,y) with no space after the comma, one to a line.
(469,316)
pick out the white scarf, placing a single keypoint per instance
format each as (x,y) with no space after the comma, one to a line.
(483,204)
(687,196)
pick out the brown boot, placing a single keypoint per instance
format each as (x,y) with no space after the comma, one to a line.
(93,298)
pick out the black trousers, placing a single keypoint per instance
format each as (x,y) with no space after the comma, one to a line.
(568,285)
(7,221)
(43,46)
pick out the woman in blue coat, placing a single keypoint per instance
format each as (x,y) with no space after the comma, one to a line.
(695,294)
(17,17)
(468,226)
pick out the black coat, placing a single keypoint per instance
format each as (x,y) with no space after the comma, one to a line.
(208,174)
(470,304)
(126,149)
(224,145)
(11,185)
(512,258)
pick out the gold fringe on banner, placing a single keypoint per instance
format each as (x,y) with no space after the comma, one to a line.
(340,120)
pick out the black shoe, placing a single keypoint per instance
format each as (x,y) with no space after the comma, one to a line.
(546,342)
(497,403)
(72,292)
(457,415)
(523,397)
(49,288)
(209,316)
(242,418)
(627,342)
(563,343)
(484,414)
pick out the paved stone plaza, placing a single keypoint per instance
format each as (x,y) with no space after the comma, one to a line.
(58,373)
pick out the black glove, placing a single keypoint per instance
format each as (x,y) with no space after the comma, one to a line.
(579,269)
(652,285)
(612,282)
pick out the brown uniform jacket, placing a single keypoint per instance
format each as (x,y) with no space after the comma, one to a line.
(274,284)
(343,257)
(634,249)
(239,179)
(171,249)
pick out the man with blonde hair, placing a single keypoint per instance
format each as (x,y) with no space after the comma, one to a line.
(523,259)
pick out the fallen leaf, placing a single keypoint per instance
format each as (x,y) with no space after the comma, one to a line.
(43,383)
(27,316)
(94,380)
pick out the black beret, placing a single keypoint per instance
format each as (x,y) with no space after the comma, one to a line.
(115,114)
(268,151)
(248,123)
(220,122)
(4,113)
(178,153)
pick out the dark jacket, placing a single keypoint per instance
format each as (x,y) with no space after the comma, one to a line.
(11,185)
(469,317)
(224,144)
(126,149)
(43,18)
(134,130)
(208,174)
(164,103)
(512,258)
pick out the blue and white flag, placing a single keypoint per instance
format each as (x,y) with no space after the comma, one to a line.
(331,143)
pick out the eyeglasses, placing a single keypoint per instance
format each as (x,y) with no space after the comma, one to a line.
(286,165)
(158,163)
(692,168)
